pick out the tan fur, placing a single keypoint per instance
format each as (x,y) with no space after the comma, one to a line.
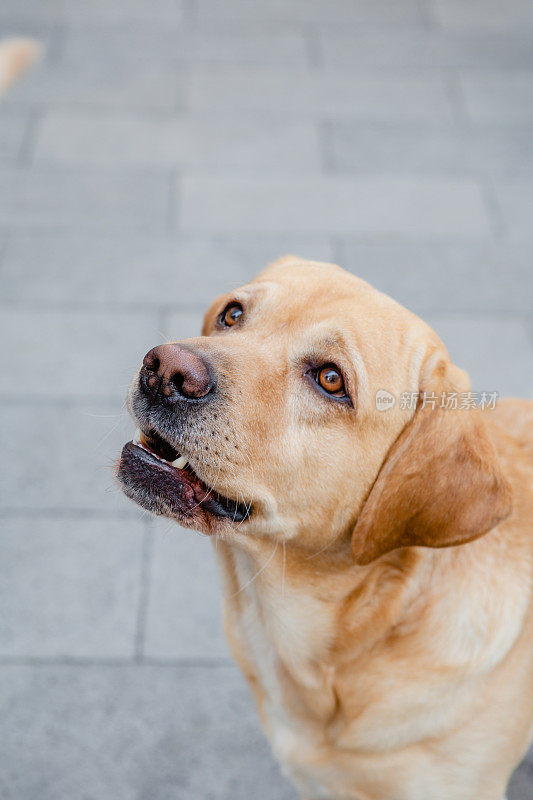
(405,673)
(16,56)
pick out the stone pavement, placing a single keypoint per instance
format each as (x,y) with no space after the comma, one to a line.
(163,151)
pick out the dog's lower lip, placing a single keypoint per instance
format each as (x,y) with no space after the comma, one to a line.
(143,470)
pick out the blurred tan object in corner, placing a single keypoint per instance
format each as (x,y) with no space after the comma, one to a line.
(16,56)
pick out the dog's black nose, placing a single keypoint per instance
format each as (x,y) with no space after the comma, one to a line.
(171,372)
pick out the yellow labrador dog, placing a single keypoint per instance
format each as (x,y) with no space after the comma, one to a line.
(376,554)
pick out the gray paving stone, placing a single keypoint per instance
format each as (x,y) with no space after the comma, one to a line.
(483,14)
(515,199)
(209,144)
(14,12)
(488,277)
(336,13)
(407,47)
(375,207)
(149,270)
(435,150)
(84,199)
(73,354)
(69,588)
(164,11)
(60,457)
(135,733)
(132,733)
(217,43)
(500,97)
(315,94)
(94,83)
(184,617)
(528,758)
(496,352)
(182,325)
(521,783)
(90,252)
(13,127)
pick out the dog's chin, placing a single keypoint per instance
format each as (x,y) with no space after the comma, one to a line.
(172,489)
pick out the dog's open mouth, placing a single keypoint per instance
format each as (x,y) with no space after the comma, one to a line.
(160,479)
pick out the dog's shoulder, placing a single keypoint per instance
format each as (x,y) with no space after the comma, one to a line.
(515,416)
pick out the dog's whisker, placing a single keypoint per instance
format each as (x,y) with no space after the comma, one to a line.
(104,416)
(252,579)
(283,572)
(322,549)
(248,506)
(166,530)
(211,490)
(106,436)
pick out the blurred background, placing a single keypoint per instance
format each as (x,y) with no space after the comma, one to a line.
(161,152)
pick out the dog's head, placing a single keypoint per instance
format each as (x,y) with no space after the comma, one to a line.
(295,417)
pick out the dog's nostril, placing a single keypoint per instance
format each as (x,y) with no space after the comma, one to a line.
(151,361)
(177,381)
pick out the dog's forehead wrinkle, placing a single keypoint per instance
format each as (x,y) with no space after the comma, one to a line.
(290,268)
(318,279)
(298,292)
(301,295)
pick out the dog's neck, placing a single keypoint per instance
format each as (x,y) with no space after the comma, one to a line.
(309,607)
(322,612)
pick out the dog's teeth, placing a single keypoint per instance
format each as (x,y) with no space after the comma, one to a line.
(139,439)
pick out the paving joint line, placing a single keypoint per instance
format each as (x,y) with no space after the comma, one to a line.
(427,16)
(313,47)
(27,145)
(144,590)
(457,99)
(173,204)
(83,661)
(496,215)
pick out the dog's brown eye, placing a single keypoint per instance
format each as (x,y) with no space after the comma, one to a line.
(231,314)
(331,380)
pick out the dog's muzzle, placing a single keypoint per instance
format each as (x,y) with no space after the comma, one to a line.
(174,385)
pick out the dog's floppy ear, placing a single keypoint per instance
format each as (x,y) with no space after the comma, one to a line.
(440,485)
